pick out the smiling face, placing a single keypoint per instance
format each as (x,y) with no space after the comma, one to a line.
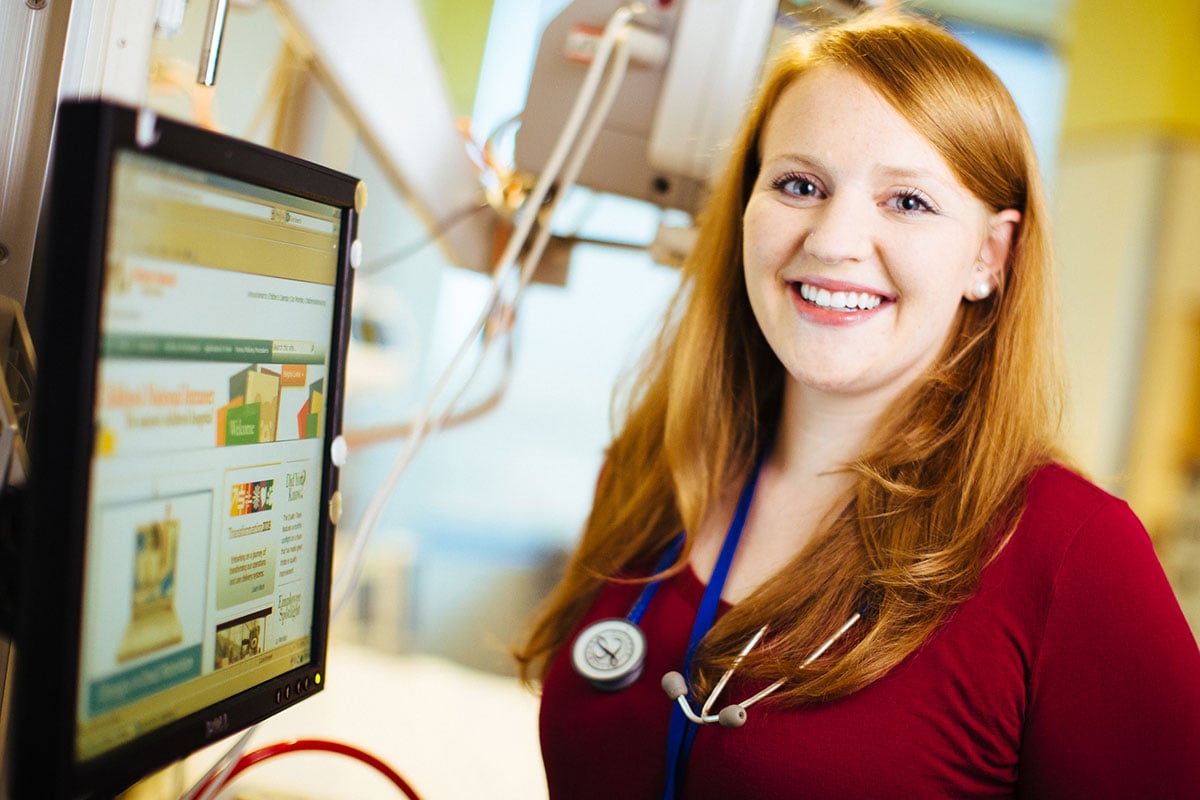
(859,242)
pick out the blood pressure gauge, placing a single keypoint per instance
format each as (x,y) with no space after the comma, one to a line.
(609,654)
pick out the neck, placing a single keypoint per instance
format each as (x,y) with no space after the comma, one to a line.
(819,434)
(802,485)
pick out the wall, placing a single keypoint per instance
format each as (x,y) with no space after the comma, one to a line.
(1135,68)
(1127,207)
(459,30)
(1127,195)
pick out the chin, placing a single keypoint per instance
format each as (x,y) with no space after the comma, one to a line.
(849,386)
(832,385)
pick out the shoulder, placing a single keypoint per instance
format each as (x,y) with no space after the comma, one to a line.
(1058,495)
(1085,563)
(1067,516)
(1073,541)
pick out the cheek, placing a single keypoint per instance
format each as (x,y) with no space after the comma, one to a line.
(767,239)
(939,270)
(751,241)
(757,270)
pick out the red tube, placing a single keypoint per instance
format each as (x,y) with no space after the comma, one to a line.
(321,745)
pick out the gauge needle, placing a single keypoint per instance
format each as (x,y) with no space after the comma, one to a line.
(612,654)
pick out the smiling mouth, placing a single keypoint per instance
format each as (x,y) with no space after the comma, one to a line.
(837,301)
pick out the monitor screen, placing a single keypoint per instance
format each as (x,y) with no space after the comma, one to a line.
(192,339)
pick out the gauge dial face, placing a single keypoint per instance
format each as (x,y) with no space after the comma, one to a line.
(609,654)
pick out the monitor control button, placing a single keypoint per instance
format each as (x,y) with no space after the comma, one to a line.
(338,450)
(335,507)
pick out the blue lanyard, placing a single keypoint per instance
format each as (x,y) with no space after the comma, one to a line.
(681,731)
(643,602)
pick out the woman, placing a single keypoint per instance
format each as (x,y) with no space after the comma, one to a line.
(851,413)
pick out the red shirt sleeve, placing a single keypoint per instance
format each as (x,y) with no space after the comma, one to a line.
(1114,696)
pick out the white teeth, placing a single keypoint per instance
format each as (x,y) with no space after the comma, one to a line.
(839,300)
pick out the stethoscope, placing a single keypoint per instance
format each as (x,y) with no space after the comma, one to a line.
(610,654)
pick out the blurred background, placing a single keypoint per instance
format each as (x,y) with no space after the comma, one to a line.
(449,108)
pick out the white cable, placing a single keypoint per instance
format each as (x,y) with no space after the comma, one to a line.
(622,52)
(349,574)
(576,146)
(573,167)
(566,141)
(343,585)
(217,775)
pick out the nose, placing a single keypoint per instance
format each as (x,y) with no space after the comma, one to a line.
(839,229)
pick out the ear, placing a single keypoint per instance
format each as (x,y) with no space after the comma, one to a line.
(993,255)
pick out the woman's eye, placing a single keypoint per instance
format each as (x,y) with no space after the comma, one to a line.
(798,186)
(911,203)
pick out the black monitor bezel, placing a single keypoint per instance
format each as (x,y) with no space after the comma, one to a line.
(46,655)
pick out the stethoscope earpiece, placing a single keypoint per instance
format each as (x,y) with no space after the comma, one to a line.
(733,716)
(674,685)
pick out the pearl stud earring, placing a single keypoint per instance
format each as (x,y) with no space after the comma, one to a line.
(981,290)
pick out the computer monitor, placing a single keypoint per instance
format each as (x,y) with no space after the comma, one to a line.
(191,342)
